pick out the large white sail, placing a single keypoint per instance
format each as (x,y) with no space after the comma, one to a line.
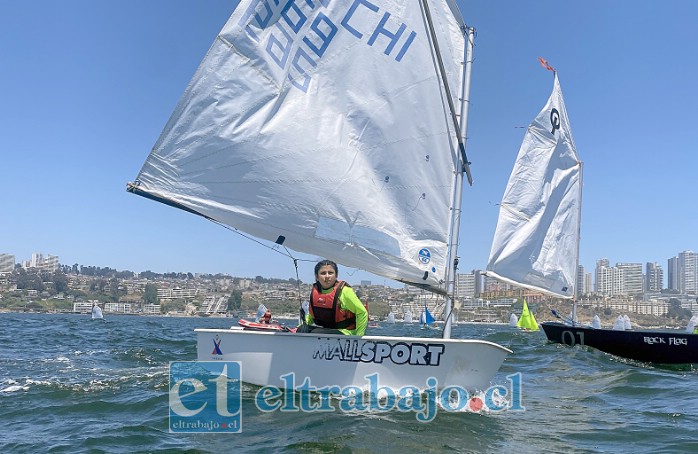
(323,125)
(537,237)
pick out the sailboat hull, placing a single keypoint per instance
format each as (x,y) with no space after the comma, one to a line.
(334,360)
(650,346)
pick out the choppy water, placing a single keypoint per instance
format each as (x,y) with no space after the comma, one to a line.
(70,384)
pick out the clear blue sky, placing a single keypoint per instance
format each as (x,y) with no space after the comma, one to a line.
(86,87)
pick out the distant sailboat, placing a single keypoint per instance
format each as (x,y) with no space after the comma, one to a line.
(390,318)
(426,320)
(263,322)
(407,318)
(527,321)
(97,313)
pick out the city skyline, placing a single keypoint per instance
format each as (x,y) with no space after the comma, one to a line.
(664,276)
(81,119)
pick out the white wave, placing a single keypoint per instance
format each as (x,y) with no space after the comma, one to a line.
(14,388)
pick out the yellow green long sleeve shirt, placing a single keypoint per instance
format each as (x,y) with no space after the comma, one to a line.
(349,302)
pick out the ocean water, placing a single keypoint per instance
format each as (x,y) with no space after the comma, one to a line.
(72,385)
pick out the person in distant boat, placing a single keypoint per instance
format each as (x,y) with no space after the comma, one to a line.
(333,307)
(266,318)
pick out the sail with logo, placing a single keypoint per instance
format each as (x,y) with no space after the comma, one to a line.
(536,242)
(282,136)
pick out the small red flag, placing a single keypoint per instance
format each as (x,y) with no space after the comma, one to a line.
(545,64)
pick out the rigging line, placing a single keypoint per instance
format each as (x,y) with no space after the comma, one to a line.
(298,283)
(251,238)
(444,81)
(134,188)
(287,254)
(234,230)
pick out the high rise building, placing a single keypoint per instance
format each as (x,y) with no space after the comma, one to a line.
(673,273)
(582,288)
(587,283)
(468,285)
(687,272)
(609,279)
(654,277)
(631,275)
(603,278)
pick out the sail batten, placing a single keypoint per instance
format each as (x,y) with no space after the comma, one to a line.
(279,133)
(536,241)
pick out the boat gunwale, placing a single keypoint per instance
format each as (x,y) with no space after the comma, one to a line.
(236,330)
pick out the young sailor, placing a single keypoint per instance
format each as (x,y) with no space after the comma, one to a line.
(334,307)
(266,318)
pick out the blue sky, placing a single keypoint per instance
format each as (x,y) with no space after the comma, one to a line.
(86,87)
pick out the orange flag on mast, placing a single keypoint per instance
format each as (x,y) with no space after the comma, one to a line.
(545,64)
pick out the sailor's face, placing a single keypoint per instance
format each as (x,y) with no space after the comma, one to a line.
(326,276)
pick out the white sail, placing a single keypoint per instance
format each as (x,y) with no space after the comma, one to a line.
(97,312)
(323,126)
(330,127)
(536,241)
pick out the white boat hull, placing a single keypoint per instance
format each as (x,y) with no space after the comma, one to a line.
(328,360)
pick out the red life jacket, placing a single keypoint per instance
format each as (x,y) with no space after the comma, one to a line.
(326,308)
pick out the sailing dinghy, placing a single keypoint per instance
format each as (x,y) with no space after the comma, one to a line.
(300,128)
(263,322)
(536,244)
(527,321)
(97,313)
(407,318)
(426,320)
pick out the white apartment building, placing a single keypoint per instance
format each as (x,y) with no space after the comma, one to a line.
(468,285)
(177,293)
(622,279)
(632,278)
(119,308)
(152,309)
(48,264)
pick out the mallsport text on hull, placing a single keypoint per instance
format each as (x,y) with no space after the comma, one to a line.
(335,360)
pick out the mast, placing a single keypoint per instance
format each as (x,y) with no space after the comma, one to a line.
(462,163)
(579,232)
(462,168)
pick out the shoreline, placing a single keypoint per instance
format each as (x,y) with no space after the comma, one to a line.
(605,323)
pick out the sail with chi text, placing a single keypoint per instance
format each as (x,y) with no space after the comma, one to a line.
(325,127)
(536,242)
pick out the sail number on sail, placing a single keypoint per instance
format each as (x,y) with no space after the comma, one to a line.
(291,34)
(415,353)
